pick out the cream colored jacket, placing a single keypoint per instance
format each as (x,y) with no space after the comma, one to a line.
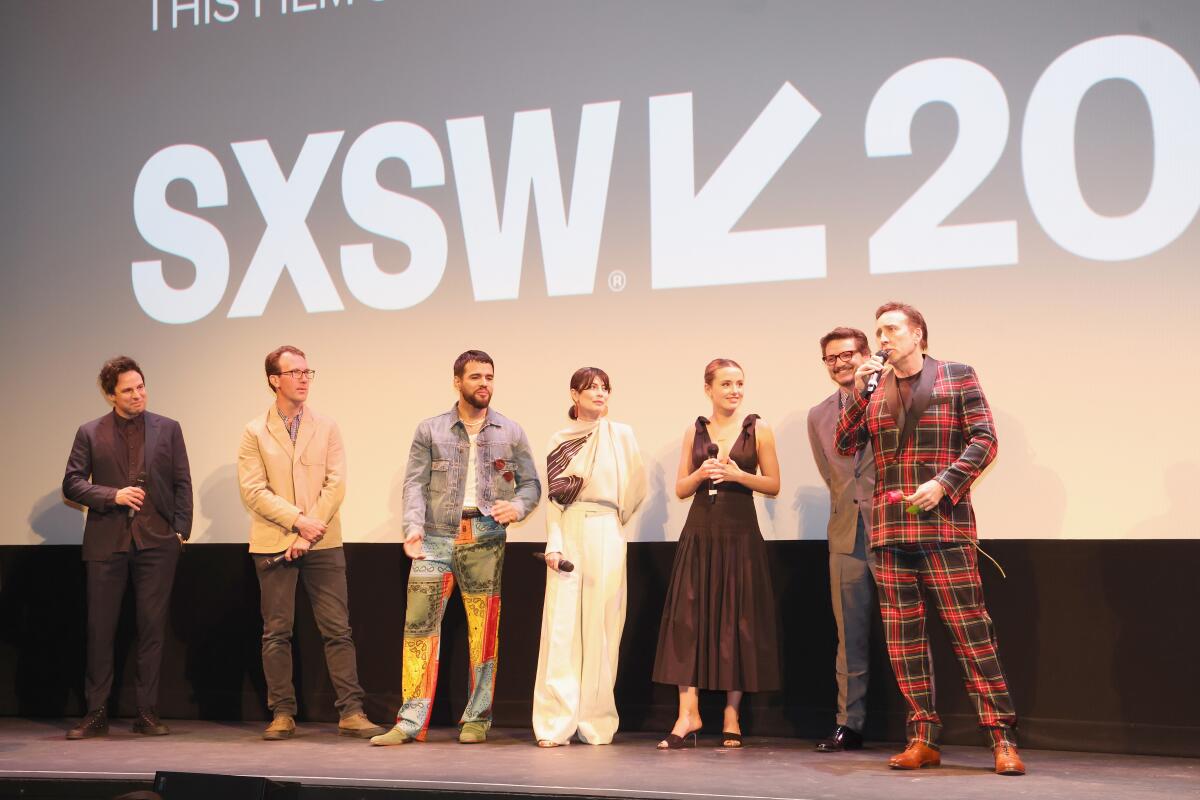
(280,481)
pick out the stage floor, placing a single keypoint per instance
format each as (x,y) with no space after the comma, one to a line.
(510,763)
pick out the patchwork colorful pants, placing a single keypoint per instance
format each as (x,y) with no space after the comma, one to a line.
(473,559)
(950,576)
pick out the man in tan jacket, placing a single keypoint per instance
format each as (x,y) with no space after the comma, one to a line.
(292,474)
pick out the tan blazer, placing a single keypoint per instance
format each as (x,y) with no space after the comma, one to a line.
(280,481)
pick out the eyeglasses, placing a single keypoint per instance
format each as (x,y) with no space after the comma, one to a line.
(297,374)
(843,357)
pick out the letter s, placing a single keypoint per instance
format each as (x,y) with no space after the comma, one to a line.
(174,232)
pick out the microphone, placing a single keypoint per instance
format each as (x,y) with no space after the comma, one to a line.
(273,561)
(873,381)
(139,483)
(563,564)
(712,451)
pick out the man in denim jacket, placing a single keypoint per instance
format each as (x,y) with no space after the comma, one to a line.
(470,473)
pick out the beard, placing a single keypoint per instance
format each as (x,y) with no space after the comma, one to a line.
(472,400)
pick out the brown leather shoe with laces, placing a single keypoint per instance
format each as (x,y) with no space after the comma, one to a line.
(915,756)
(148,723)
(1008,761)
(94,724)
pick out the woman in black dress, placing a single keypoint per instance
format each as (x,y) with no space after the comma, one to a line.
(718,627)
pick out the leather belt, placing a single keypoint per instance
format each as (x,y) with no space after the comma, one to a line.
(471,513)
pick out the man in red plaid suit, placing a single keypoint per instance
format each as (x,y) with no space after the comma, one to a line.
(932,434)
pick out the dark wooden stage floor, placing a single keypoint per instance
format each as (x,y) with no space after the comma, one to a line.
(35,760)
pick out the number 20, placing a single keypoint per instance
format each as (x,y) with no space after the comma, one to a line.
(913,238)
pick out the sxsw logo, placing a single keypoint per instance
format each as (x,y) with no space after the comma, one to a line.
(692,243)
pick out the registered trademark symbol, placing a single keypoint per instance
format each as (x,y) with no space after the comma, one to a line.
(616,280)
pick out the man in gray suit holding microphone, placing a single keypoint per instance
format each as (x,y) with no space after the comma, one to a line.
(851,480)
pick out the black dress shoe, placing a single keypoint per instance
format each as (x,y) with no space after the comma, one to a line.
(94,724)
(842,738)
(148,723)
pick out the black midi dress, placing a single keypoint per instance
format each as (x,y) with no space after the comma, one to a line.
(718,625)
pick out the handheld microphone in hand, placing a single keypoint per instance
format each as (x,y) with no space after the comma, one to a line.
(563,564)
(139,483)
(712,451)
(873,381)
(273,561)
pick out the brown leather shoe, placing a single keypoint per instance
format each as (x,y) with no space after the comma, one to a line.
(915,756)
(148,723)
(94,724)
(359,726)
(282,727)
(1008,761)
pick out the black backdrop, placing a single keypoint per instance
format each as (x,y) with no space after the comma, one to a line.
(1098,639)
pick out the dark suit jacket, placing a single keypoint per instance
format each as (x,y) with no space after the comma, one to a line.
(948,436)
(851,479)
(95,471)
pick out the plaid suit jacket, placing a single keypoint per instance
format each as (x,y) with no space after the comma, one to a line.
(948,435)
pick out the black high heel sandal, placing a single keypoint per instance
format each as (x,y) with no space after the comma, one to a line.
(674,742)
(731,740)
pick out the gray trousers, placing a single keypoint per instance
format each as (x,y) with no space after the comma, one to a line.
(324,576)
(852,585)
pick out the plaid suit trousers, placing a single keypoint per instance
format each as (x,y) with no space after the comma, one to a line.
(950,575)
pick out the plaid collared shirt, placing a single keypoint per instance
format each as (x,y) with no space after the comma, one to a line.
(293,424)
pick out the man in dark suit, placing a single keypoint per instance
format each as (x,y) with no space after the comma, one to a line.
(130,468)
(932,434)
(851,482)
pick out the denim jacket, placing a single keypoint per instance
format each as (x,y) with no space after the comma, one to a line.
(437,465)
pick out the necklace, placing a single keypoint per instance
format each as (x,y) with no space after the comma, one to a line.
(473,427)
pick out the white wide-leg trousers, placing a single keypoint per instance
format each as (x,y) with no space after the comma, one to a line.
(582,620)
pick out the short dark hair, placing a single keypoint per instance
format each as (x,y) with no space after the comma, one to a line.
(914,318)
(710,371)
(843,332)
(460,363)
(583,379)
(113,369)
(272,362)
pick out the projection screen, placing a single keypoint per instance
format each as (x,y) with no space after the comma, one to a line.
(640,186)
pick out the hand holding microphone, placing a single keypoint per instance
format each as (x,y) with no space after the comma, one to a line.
(712,451)
(297,549)
(563,564)
(867,376)
(133,496)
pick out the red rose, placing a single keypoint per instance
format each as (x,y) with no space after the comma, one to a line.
(498,464)
(893,496)
(508,476)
